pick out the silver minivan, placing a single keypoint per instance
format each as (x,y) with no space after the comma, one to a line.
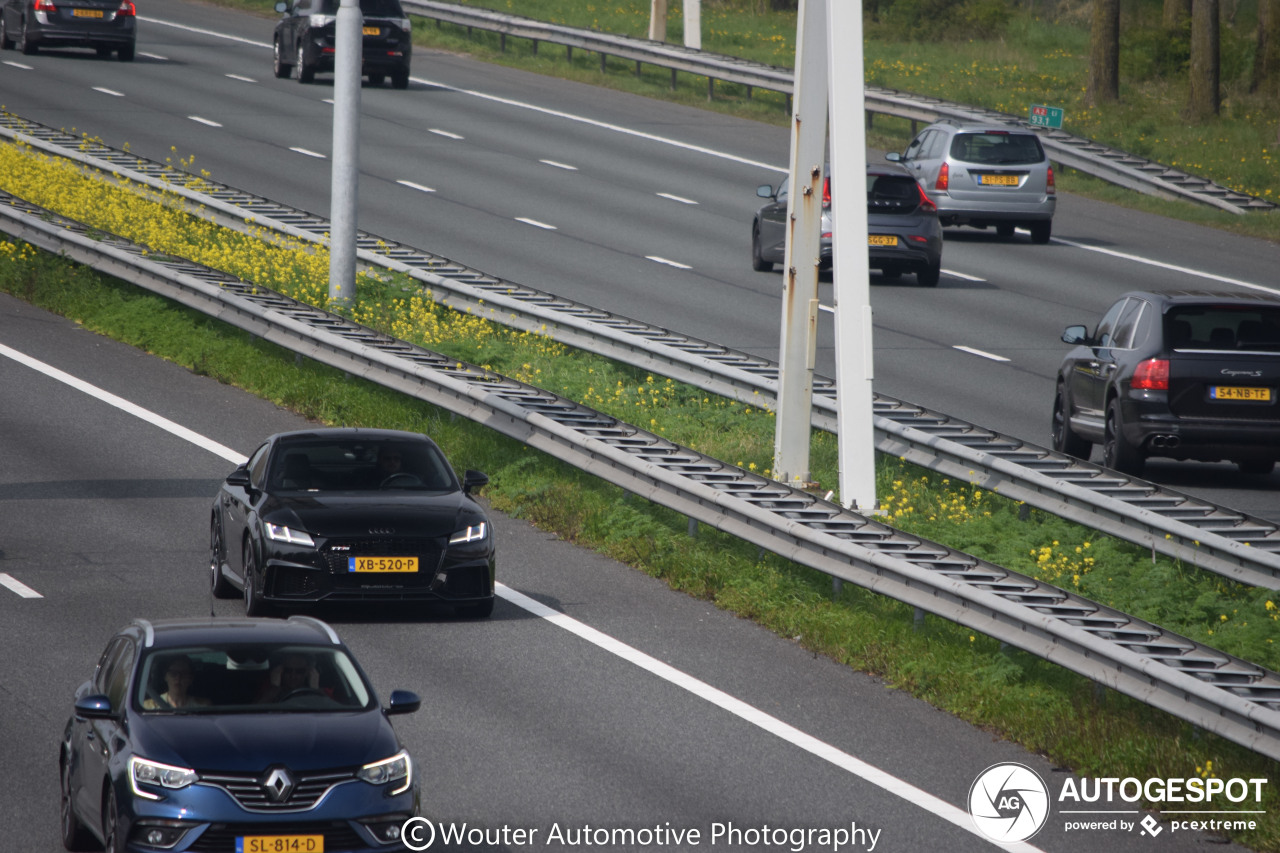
(985,175)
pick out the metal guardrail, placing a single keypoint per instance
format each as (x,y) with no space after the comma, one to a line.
(1238,546)
(1216,691)
(1085,155)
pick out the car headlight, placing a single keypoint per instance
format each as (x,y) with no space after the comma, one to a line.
(471,533)
(397,768)
(144,772)
(280,533)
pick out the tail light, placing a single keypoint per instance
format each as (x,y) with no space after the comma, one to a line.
(944,178)
(826,191)
(45,6)
(926,203)
(1152,375)
(126,10)
(1049,187)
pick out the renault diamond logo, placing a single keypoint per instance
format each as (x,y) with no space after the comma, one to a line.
(278,785)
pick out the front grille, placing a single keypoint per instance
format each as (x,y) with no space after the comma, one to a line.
(248,791)
(428,551)
(221,837)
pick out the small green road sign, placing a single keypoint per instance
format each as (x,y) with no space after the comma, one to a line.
(1046,116)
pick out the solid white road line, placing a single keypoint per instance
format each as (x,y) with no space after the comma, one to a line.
(825,751)
(18,586)
(1138,259)
(125,406)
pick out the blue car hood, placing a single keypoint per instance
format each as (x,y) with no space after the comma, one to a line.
(253,742)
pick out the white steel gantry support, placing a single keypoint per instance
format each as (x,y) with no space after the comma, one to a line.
(829,83)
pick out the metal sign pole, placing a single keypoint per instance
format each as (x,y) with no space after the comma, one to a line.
(346,153)
(800,265)
(852,280)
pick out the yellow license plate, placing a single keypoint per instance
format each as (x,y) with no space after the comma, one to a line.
(86,13)
(372,31)
(382,564)
(1235,392)
(280,844)
(998,180)
(882,240)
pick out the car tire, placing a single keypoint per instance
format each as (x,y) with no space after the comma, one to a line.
(279,67)
(125,54)
(304,71)
(112,834)
(928,277)
(29,47)
(1257,467)
(6,43)
(1064,439)
(1040,231)
(253,603)
(218,583)
(75,835)
(758,263)
(400,79)
(1117,453)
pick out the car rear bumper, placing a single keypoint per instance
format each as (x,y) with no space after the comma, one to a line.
(1161,433)
(52,35)
(954,210)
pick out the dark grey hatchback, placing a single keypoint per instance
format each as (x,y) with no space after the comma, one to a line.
(107,26)
(305,40)
(1180,374)
(903,232)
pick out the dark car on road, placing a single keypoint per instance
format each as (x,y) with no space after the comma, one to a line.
(107,26)
(305,40)
(902,224)
(1180,374)
(226,735)
(351,515)
(985,175)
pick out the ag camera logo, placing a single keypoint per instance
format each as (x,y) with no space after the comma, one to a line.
(1009,803)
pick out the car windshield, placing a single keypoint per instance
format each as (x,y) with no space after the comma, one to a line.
(997,148)
(250,679)
(1223,327)
(359,465)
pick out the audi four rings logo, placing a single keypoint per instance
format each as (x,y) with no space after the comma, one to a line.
(1009,803)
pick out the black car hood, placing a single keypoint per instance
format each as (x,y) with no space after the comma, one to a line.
(231,742)
(394,512)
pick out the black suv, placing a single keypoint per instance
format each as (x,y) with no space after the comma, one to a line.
(1182,374)
(903,232)
(305,38)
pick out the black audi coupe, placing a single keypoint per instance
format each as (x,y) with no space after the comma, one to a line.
(351,515)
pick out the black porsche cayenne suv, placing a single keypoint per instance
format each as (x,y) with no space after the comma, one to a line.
(1180,374)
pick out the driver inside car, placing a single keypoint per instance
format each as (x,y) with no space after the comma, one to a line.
(294,672)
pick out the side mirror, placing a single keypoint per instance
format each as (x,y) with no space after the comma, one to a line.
(893,157)
(403,702)
(474,480)
(239,477)
(764,191)
(1075,335)
(95,707)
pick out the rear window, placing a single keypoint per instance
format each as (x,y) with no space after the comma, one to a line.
(997,149)
(372,8)
(1223,327)
(892,194)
